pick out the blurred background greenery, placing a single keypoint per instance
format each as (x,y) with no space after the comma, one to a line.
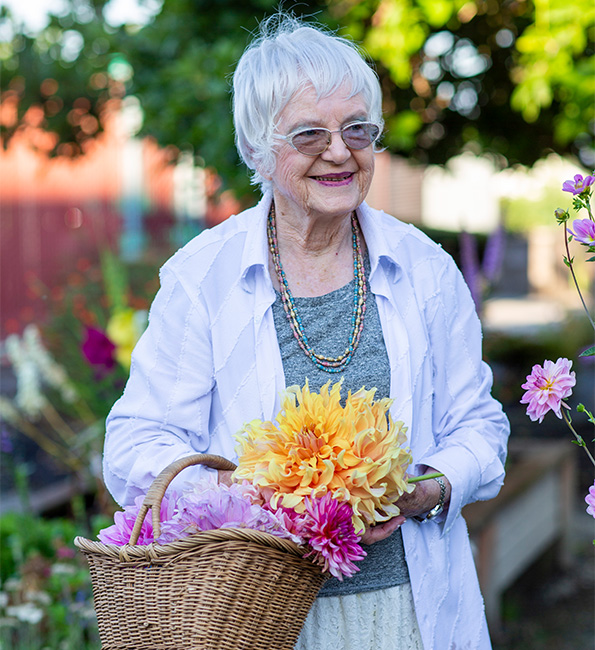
(513,77)
(466,83)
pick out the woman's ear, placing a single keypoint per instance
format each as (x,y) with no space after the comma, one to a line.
(264,171)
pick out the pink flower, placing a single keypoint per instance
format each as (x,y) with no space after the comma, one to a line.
(590,500)
(584,231)
(578,185)
(328,527)
(546,388)
(119,533)
(208,506)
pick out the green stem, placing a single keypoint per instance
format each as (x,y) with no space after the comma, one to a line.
(424,477)
(579,438)
(574,277)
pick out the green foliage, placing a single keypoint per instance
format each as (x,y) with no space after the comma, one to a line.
(522,214)
(555,62)
(95,320)
(62,71)
(89,299)
(512,78)
(46,588)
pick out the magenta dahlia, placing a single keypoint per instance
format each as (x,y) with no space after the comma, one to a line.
(328,527)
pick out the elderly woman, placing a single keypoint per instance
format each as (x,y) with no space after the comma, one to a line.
(314,284)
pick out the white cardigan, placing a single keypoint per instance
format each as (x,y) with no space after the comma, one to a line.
(209,361)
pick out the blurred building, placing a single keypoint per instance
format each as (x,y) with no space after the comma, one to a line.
(56,213)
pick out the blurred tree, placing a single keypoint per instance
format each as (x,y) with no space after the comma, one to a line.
(58,78)
(178,66)
(513,77)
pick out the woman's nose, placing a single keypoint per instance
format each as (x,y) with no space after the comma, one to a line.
(337,152)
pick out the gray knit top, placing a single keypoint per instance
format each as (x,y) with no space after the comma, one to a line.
(327,322)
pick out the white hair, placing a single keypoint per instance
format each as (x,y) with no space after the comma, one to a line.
(287,56)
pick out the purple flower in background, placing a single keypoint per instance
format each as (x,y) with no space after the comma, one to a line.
(97,349)
(546,387)
(590,501)
(328,527)
(6,445)
(578,185)
(470,266)
(584,231)
(119,533)
(494,254)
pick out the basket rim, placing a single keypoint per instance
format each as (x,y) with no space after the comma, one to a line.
(129,552)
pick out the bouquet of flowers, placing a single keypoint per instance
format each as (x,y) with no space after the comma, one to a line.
(318,476)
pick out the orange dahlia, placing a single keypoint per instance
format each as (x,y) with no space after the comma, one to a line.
(318,446)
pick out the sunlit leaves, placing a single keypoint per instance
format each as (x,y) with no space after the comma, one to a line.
(503,64)
(555,62)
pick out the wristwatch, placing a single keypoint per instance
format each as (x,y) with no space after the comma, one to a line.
(439,507)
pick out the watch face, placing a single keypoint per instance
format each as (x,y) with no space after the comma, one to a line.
(435,511)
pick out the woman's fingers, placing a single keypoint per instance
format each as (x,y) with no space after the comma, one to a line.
(382,531)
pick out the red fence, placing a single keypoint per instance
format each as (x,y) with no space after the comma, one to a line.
(40,246)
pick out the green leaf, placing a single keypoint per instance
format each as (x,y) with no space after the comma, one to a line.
(589,352)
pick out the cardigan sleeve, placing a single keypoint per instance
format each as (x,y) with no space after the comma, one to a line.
(163,414)
(469,427)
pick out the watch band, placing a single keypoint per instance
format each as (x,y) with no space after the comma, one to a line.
(439,507)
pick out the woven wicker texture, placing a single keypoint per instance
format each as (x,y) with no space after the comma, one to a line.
(227,589)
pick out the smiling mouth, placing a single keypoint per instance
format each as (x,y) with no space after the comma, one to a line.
(334,178)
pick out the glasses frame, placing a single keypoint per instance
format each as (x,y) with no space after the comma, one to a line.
(289,137)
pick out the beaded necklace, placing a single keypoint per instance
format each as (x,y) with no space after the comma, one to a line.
(328,364)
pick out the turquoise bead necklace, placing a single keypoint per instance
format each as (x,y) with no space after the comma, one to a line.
(328,364)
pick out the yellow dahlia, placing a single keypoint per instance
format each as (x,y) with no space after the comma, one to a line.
(318,446)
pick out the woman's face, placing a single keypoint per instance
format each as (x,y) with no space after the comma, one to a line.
(335,182)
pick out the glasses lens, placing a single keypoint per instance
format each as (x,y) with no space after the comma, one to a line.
(312,141)
(360,135)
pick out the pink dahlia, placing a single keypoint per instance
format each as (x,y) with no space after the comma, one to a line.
(119,533)
(546,387)
(590,500)
(584,231)
(328,527)
(578,185)
(207,507)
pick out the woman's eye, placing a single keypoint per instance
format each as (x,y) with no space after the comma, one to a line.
(309,133)
(354,128)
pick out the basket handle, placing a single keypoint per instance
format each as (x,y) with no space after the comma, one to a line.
(161,482)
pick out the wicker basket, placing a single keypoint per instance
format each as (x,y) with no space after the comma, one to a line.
(226,589)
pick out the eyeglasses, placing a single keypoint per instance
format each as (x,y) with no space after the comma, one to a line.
(313,142)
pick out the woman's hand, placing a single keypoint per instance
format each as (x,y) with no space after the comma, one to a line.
(224,477)
(424,497)
(382,531)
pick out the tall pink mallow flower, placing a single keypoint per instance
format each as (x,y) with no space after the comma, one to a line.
(578,185)
(546,387)
(328,527)
(207,507)
(590,499)
(584,231)
(119,533)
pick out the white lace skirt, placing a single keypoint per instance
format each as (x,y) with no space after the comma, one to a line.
(374,620)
